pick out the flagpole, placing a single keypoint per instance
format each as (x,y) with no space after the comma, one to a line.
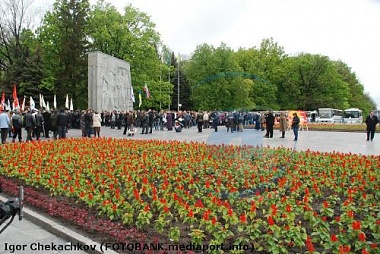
(178,83)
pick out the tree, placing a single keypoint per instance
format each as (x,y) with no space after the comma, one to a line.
(357,98)
(64,41)
(211,73)
(315,82)
(20,57)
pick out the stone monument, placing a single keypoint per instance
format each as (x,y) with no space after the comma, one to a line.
(109,83)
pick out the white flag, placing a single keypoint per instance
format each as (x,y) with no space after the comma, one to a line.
(9,106)
(47,106)
(67,106)
(43,101)
(41,104)
(71,104)
(32,104)
(55,101)
(132,95)
(23,104)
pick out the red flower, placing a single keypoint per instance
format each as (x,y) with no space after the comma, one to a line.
(253,207)
(334,238)
(191,213)
(243,218)
(362,236)
(199,204)
(344,249)
(137,194)
(213,221)
(309,244)
(166,209)
(146,208)
(356,225)
(270,220)
(365,251)
(288,208)
(325,204)
(206,215)
(351,214)
(274,210)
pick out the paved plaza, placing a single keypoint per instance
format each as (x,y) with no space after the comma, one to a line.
(32,230)
(345,142)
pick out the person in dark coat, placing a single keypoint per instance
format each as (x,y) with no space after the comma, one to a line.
(295,125)
(63,123)
(46,115)
(169,121)
(88,124)
(200,121)
(53,123)
(29,123)
(257,122)
(145,122)
(371,122)
(39,124)
(17,126)
(215,120)
(269,125)
(151,120)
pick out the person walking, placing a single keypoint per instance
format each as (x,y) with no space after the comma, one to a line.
(371,122)
(200,121)
(17,126)
(29,123)
(39,123)
(295,125)
(283,124)
(5,123)
(63,123)
(53,124)
(96,123)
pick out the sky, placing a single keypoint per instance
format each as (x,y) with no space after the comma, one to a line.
(346,30)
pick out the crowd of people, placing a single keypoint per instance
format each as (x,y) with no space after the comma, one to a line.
(58,122)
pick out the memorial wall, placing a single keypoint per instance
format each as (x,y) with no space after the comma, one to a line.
(109,83)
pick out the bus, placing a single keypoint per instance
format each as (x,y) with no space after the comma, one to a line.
(353,115)
(377,113)
(329,115)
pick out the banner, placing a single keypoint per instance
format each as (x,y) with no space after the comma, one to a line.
(67,106)
(31,103)
(132,95)
(16,104)
(55,101)
(147,91)
(140,100)
(71,104)
(3,100)
(23,104)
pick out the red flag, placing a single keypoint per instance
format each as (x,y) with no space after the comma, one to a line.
(3,101)
(15,98)
(147,91)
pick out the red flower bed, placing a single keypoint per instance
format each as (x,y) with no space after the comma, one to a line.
(274,200)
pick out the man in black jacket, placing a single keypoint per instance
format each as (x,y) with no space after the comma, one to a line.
(39,123)
(63,123)
(46,115)
(371,122)
(269,120)
(29,124)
